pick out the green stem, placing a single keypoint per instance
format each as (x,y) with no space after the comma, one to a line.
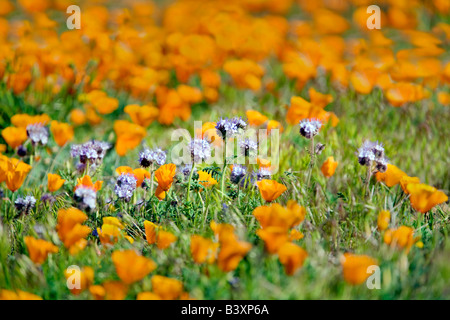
(222,186)
(311,164)
(189,181)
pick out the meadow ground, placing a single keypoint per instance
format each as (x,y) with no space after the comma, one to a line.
(294,245)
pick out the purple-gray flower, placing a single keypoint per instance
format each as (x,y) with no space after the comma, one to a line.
(310,128)
(25,204)
(227,128)
(125,186)
(200,149)
(237,174)
(248,147)
(37,133)
(148,157)
(86,198)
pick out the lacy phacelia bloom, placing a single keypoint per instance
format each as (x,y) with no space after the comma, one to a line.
(371,152)
(424,197)
(86,197)
(228,128)
(329,167)
(355,267)
(186,170)
(38,134)
(149,157)
(248,147)
(200,150)
(39,249)
(130,266)
(91,152)
(125,186)
(237,173)
(310,128)
(270,189)
(62,132)
(55,182)
(24,205)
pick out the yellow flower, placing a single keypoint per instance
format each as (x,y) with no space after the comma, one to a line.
(424,197)
(130,266)
(205,179)
(355,267)
(39,249)
(384,218)
(54,182)
(270,189)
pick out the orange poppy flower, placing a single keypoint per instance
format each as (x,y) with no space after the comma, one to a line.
(255,118)
(55,182)
(141,174)
(109,290)
(85,276)
(384,217)
(77,117)
(355,267)
(124,169)
(276,215)
(86,182)
(147,296)
(14,137)
(231,253)
(273,124)
(273,237)
(39,249)
(424,197)
(166,288)
(164,176)
(402,237)
(23,120)
(392,176)
(16,174)
(130,266)
(70,229)
(142,115)
(62,132)
(405,180)
(270,189)
(164,239)
(129,136)
(444,98)
(329,167)
(292,257)
(150,231)
(203,250)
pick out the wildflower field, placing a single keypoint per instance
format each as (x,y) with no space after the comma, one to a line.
(239,149)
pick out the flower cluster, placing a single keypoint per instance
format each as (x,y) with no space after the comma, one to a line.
(228,128)
(125,186)
(372,153)
(149,157)
(200,150)
(310,128)
(91,152)
(25,204)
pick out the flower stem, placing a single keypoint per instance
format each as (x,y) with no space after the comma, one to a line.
(311,163)
(368,176)
(222,186)
(189,181)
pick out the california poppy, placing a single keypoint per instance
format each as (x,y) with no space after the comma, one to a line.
(16,174)
(130,266)
(70,228)
(392,176)
(85,276)
(142,115)
(164,176)
(62,132)
(329,167)
(203,249)
(292,257)
(424,197)
(384,218)
(14,136)
(270,189)
(402,237)
(55,182)
(166,288)
(355,267)
(39,249)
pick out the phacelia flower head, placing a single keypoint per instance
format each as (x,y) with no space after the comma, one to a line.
(248,147)
(148,157)
(37,133)
(263,173)
(237,174)
(86,198)
(372,153)
(186,170)
(91,152)
(227,128)
(25,204)
(125,186)
(310,128)
(200,149)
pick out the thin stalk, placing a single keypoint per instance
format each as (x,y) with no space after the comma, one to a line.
(311,164)
(189,181)
(222,185)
